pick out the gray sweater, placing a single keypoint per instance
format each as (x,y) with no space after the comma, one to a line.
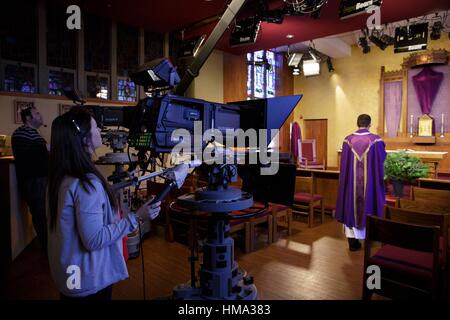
(85,248)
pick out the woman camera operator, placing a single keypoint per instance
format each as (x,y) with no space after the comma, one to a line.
(85,229)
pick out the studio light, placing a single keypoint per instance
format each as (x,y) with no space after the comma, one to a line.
(330,65)
(436,30)
(376,40)
(311,68)
(411,38)
(245,32)
(304,7)
(273,16)
(387,39)
(190,47)
(294,59)
(364,45)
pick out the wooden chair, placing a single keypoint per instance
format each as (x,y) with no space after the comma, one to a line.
(263,218)
(423,205)
(282,217)
(196,223)
(438,196)
(408,259)
(423,215)
(305,199)
(426,218)
(307,155)
(243,225)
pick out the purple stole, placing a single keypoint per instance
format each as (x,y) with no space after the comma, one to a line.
(361,180)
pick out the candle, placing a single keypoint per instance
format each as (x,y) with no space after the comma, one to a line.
(411,126)
(442,125)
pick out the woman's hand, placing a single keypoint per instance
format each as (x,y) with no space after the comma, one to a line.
(149,211)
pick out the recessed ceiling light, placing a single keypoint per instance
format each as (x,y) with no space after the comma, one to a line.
(289,36)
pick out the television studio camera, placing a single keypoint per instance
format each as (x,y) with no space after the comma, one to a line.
(150,129)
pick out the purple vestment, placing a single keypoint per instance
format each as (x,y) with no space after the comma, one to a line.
(361,179)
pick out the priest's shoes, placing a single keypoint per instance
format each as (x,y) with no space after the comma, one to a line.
(354,244)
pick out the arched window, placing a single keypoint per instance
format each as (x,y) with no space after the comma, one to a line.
(260,74)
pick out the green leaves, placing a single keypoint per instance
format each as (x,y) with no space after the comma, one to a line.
(403,166)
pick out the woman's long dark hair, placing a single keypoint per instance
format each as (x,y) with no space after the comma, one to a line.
(69,157)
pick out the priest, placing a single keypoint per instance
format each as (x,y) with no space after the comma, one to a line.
(361,181)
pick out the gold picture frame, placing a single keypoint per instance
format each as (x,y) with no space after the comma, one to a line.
(18,107)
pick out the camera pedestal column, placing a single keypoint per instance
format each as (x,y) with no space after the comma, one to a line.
(220,276)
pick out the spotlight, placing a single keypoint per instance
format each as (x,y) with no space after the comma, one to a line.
(296,71)
(387,39)
(273,16)
(378,42)
(436,30)
(294,59)
(190,47)
(245,32)
(330,65)
(364,45)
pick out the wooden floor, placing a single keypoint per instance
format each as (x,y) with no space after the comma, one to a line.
(311,264)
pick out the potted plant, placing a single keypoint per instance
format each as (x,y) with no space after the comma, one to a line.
(402,167)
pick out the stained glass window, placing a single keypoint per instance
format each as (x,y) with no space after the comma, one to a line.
(61,42)
(97,86)
(127,50)
(18,31)
(97,44)
(19,79)
(58,81)
(154,46)
(126,90)
(261,67)
(270,74)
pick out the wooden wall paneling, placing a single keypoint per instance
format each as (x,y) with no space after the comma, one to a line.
(284,87)
(318,129)
(328,188)
(234,77)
